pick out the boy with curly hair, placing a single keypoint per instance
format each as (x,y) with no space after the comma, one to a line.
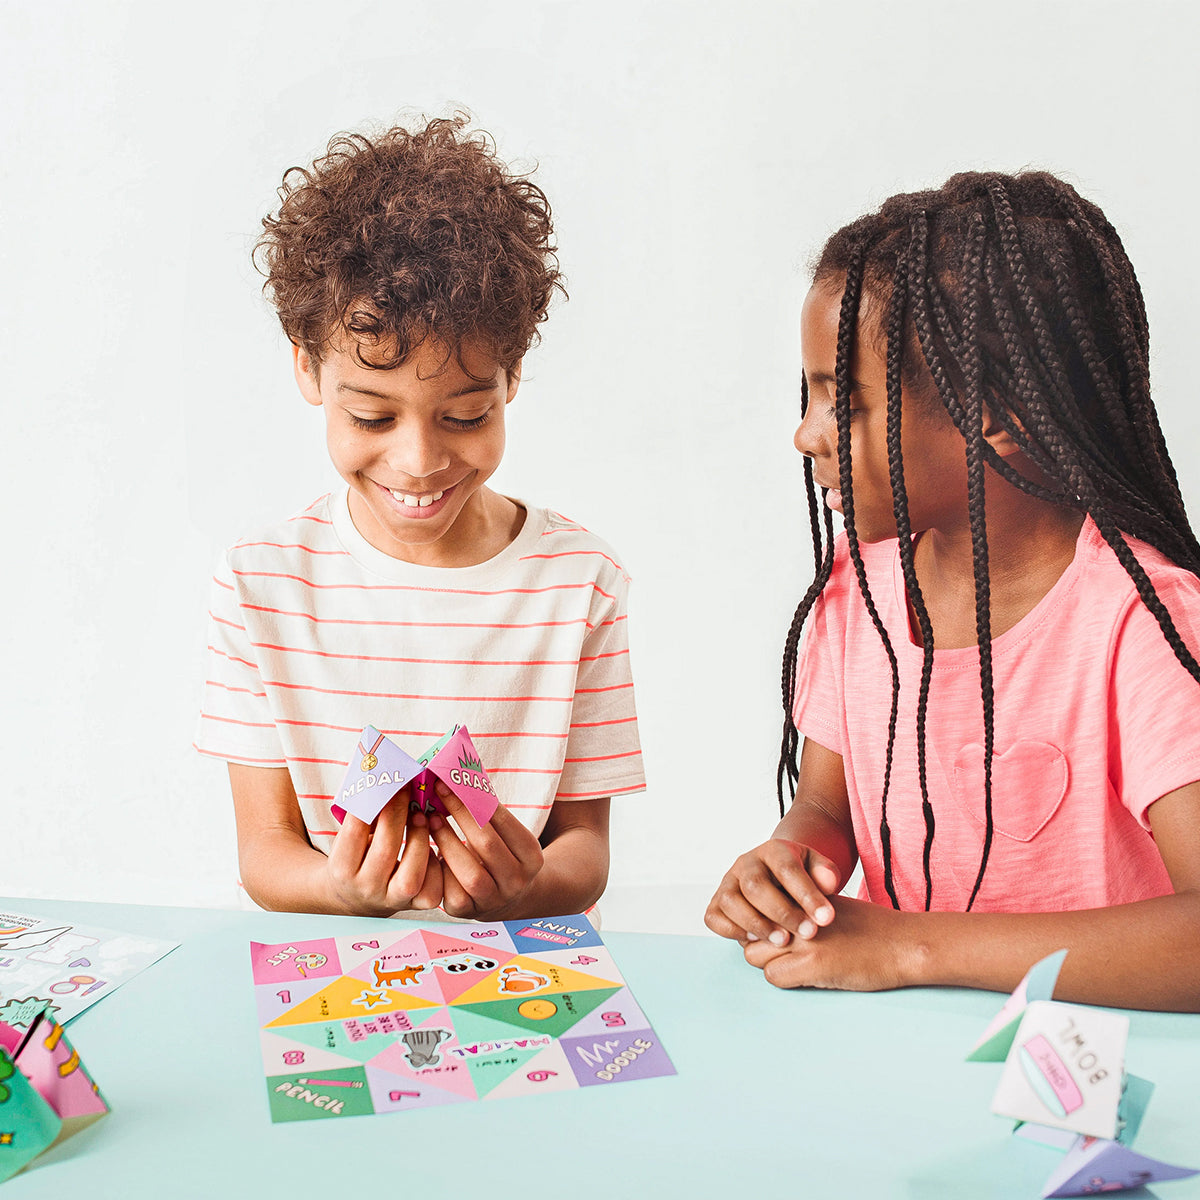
(410,272)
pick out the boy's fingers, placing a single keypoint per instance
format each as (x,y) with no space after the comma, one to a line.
(474,833)
(482,865)
(408,875)
(418,879)
(349,846)
(504,845)
(455,899)
(430,895)
(380,860)
(520,842)
(461,863)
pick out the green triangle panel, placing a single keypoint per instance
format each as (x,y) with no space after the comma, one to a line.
(490,1068)
(332,1036)
(996,1048)
(552,1015)
(338,1093)
(472,1025)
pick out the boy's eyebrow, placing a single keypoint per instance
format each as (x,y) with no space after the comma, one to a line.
(469,389)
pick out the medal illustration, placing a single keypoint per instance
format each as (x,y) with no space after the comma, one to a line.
(369,761)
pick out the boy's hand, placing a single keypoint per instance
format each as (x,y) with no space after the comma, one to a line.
(775,891)
(370,875)
(487,870)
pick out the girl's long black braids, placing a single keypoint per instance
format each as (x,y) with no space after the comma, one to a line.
(1015,293)
(895,341)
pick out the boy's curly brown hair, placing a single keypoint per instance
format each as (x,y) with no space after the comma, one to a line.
(392,239)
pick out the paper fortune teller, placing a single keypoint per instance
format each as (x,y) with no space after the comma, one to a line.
(1094,1165)
(1065,1068)
(45,1093)
(1064,1080)
(379,769)
(1038,984)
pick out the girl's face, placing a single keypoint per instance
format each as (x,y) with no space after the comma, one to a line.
(933,450)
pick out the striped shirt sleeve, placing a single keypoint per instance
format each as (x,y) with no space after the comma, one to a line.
(235,717)
(604,754)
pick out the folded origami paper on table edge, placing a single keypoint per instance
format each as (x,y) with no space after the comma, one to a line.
(46,1094)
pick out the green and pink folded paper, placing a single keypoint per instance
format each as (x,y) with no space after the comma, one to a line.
(45,1093)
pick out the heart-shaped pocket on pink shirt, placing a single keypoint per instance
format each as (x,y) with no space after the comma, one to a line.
(1029,781)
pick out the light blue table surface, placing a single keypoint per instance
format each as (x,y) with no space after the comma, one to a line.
(778,1094)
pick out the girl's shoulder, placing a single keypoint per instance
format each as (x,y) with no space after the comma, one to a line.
(1110,575)
(1106,607)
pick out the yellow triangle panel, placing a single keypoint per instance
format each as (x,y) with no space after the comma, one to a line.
(347,997)
(522,977)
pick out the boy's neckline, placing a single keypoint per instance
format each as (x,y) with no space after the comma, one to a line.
(375,560)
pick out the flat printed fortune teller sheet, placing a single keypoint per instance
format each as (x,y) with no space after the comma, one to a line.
(412,1017)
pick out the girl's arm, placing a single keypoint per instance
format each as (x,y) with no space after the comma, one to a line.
(1140,955)
(365,874)
(503,872)
(781,888)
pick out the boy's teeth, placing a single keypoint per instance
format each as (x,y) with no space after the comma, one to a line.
(418,501)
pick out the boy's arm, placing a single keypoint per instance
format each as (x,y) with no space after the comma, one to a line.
(502,871)
(781,888)
(365,874)
(1140,955)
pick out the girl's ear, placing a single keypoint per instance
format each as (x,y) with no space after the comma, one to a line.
(997,436)
(305,368)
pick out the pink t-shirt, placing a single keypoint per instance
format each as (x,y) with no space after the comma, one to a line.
(1095,719)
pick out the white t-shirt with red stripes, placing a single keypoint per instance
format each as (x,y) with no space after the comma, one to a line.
(314,633)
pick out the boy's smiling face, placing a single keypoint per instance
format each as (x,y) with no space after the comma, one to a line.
(416,444)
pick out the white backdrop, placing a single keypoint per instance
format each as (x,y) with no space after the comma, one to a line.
(695,154)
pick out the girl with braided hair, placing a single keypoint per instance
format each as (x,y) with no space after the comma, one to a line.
(998,683)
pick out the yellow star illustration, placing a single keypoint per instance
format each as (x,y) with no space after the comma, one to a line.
(372,997)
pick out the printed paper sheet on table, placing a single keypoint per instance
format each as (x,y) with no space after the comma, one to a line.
(61,967)
(411,1017)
